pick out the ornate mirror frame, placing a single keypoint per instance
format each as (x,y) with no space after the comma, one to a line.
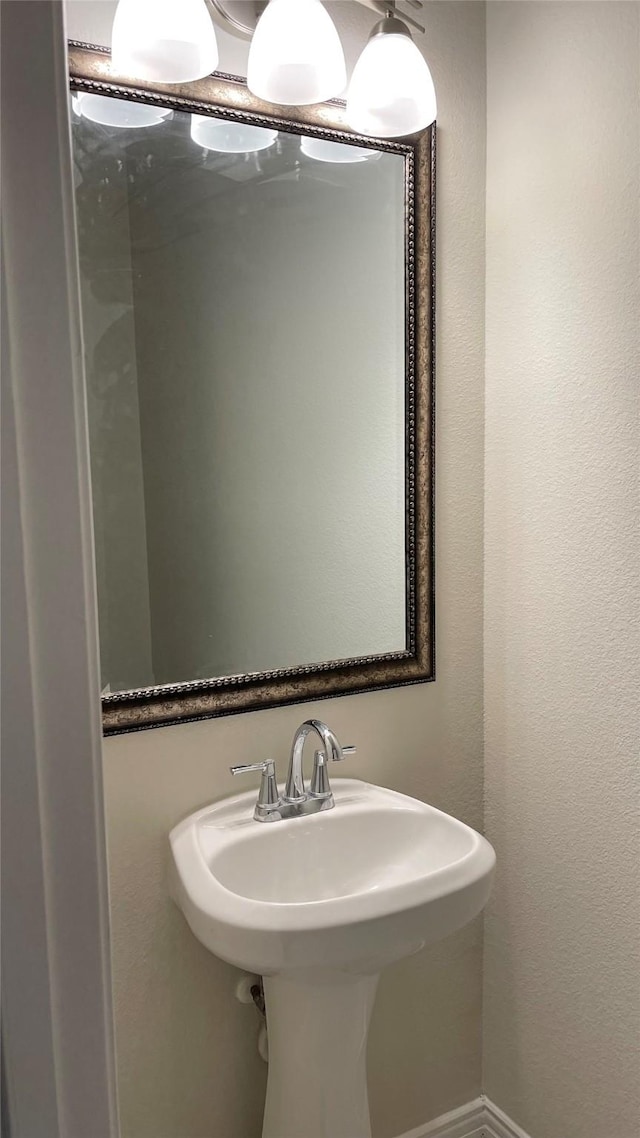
(227,96)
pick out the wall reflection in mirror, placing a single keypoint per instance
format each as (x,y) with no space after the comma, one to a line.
(243,301)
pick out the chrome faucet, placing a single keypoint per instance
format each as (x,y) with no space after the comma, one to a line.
(331,752)
(297,801)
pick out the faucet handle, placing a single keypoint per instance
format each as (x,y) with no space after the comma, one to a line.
(268,796)
(246,768)
(320,787)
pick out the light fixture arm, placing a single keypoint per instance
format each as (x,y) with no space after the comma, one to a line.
(389,7)
(241,17)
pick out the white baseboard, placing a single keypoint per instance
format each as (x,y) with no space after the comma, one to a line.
(499,1123)
(478,1119)
(465,1122)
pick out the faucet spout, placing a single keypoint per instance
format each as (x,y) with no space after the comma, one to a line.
(295,789)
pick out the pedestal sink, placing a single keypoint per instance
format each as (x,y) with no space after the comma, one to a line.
(319,906)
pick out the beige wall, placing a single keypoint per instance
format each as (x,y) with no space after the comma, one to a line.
(562,996)
(188,1066)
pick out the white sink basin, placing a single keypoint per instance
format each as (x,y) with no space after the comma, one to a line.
(354,888)
(319,905)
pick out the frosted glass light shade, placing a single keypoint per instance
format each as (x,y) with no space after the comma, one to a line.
(164,41)
(324,151)
(391,91)
(118,112)
(230,137)
(296,57)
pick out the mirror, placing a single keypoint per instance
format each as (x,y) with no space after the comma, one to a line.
(257,322)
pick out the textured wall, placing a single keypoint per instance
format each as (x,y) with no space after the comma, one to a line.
(188,1067)
(562,998)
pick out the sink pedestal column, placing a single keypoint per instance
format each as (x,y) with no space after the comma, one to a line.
(318,1025)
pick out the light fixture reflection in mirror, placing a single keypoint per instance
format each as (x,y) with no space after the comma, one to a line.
(106,111)
(322,150)
(230,137)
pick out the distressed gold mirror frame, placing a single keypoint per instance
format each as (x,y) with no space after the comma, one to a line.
(227,96)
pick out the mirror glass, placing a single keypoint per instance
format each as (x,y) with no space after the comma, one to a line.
(243,301)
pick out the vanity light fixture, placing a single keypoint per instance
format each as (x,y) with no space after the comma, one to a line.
(391,91)
(230,137)
(295,58)
(164,41)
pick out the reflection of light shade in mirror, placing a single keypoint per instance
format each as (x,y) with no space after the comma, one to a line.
(164,41)
(324,151)
(296,57)
(106,111)
(230,137)
(391,91)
